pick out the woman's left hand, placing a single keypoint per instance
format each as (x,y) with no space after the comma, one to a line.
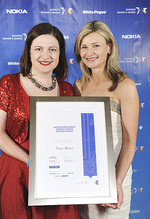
(119,197)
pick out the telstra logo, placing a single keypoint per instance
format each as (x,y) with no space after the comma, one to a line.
(142,148)
(141,190)
(69,10)
(97,182)
(144,10)
(142,105)
(71,61)
(143,59)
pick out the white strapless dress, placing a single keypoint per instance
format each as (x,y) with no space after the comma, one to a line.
(95,211)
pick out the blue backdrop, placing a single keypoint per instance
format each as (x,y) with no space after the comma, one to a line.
(130,24)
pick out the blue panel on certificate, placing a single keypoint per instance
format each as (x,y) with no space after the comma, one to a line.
(88,144)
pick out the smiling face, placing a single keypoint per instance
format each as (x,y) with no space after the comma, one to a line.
(94,51)
(44,53)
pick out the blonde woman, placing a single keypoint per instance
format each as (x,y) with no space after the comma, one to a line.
(98,55)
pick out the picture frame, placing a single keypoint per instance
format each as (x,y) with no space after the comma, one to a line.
(71,151)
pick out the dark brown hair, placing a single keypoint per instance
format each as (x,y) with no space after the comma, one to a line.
(61,71)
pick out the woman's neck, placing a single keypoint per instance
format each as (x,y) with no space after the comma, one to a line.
(43,78)
(99,75)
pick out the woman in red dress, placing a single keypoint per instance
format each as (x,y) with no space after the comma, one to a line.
(43,68)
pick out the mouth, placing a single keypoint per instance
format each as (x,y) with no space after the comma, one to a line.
(91,59)
(45,63)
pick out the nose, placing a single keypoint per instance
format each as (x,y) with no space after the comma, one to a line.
(45,54)
(89,51)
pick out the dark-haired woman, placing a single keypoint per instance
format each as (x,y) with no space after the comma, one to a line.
(43,67)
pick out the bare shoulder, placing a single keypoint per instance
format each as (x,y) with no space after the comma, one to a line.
(77,87)
(78,82)
(126,85)
(127,81)
(126,89)
(23,78)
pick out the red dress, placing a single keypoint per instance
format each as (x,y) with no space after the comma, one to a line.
(13,172)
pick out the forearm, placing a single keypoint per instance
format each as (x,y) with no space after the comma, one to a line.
(11,148)
(124,161)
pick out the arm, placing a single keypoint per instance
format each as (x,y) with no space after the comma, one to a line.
(129,113)
(7,144)
(127,94)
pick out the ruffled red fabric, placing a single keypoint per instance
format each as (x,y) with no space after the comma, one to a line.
(13,172)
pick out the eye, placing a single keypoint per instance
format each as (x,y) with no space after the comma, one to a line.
(83,47)
(52,50)
(96,45)
(38,49)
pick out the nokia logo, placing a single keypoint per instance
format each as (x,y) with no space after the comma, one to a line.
(131,36)
(16,11)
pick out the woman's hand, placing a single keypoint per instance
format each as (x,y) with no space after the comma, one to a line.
(113,206)
(119,197)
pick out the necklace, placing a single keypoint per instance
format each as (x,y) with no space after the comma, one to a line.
(42,87)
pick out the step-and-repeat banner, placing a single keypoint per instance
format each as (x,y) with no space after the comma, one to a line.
(130,24)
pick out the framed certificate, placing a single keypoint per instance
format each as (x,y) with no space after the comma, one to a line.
(71,151)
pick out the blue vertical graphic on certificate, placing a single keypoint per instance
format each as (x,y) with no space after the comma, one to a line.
(88,144)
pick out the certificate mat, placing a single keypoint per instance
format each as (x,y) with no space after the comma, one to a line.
(71,151)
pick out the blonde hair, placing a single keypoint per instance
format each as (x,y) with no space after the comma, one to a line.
(113,69)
